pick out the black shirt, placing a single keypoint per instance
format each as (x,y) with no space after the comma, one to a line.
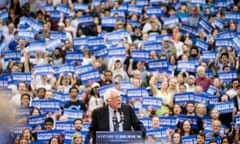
(77,103)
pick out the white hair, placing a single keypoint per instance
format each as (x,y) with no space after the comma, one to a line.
(200,68)
(108,92)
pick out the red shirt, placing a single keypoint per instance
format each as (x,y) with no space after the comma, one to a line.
(204,82)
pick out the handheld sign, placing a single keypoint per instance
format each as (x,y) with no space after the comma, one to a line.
(91,76)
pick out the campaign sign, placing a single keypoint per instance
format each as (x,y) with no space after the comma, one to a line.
(47,8)
(152,46)
(13,56)
(36,46)
(157,1)
(17,129)
(218,139)
(208,56)
(183,98)
(124,85)
(134,9)
(154,102)
(142,2)
(192,119)
(227,76)
(37,120)
(100,52)
(53,43)
(64,125)
(168,121)
(80,6)
(198,2)
(66,10)
(134,93)
(223,42)
(159,133)
(158,65)
(35,25)
(186,65)
(44,135)
(72,57)
(95,41)
(83,69)
(22,76)
(154,10)
(45,69)
(4,15)
(58,35)
(3,81)
(26,34)
(224,107)
(116,52)
(73,114)
(219,23)
(236,41)
(101,90)
(90,76)
(60,96)
(205,25)
(108,21)
(232,17)
(189,139)
(203,45)
(212,100)
(46,105)
(168,22)
(185,28)
(147,122)
(134,23)
(126,137)
(200,98)
(85,20)
(121,13)
(55,15)
(66,68)
(78,42)
(211,90)
(23,111)
(85,126)
(68,135)
(237,120)
(140,55)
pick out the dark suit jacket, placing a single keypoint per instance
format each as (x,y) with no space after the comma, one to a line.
(235,101)
(100,121)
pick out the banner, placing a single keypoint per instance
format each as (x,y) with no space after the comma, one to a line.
(134,9)
(208,56)
(47,105)
(44,135)
(26,34)
(90,76)
(121,13)
(85,20)
(134,23)
(158,65)
(73,57)
(154,11)
(159,134)
(108,21)
(125,85)
(192,119)
(154,102)
(95,41)
(45,69)
(232,17)
(147,122)
(137,93)
(58,35)
(35,25)
(66,69)
(83,69)
(168,122)
(64,125)
(183,98)
(200,98)
(78,42)
(119,52)
(53,43)
(224,107)
(168,22)
(126,137)
(204,24)
(60,96)
(140,55)
(22,76)
(201,44)
(80,6)
(227,76)
(189,139)
(66,10)
(236,42)
(188,29)
(152,46)
(186,65)
(73,114)
(13,56)
(37,120)
(223,42)
(100,52)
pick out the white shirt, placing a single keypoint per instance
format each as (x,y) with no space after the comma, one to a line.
(111,113)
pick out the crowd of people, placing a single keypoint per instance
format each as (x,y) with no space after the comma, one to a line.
(175,62)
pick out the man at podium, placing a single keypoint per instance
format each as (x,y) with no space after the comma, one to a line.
(114,116)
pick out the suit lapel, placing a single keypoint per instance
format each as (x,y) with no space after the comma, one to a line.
(106,118)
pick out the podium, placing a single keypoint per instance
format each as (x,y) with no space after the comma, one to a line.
(125,137)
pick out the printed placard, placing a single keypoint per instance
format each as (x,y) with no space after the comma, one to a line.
(189,139)
(142,2)
(152,46)
(140,55)
(80,6)
(237,120)
(85,20)
(223,42)
(198,2)
(116,52)
(64,125)
(108,21)
(17,129)
(58,35)
(78,42)
(168,121)
(186,65)
(74,57)
(158,65)
(53,43)
(95,41)
(203,45)
(168,22)
(188,29)
(4,15)
(219,23)
(208,56)
(124,85)
(26,34)
(47,8)
(13,56)
(227,76)
(73,114)
(103,89)
(204,24)
(182,98)
(147,122)
(200,98)
(44,135)
(100,52)
(45,69)
(134,9)
(36,46)
(37,120)
(66,68)
(154,10)
(121,13)
(232,17)
(159,133)
(134,23)
(47,105)
(21,76)
(154,102)
(192,119)
(55,15)
(90,76)
(64,9)
(224,107)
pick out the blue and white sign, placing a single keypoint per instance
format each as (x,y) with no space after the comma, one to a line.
(224,107)
(108,21)
(154,102)
(73,57)
(168,22)
(140,55)
(13,56)
(90,76)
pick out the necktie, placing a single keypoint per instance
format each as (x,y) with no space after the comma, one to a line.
(115,121)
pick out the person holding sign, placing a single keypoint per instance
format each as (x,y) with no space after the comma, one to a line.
(115,116)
